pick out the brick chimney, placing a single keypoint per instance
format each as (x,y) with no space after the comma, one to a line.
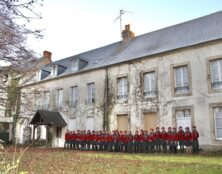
(127,34)
(48,55)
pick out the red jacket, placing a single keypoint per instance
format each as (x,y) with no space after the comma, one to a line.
(181,134)
(164,136)
(110,138)
(136,138)
(151,137)
(174,137)
(194,135)
(158,135)
(141,139)
(130,138)
(187,136)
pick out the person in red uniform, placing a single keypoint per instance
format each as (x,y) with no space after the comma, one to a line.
(67,139)
(115,140)
(151,140)
(164,139)
(78,139)
(136,142)
(145,142)
(73,139)
(187,140)
(158,139)
(194,139)
(174,140)
(87,139)
(92,140)
(181,134)
(110,141)
(169,139)
(105,140)
(130,142)
(141,140)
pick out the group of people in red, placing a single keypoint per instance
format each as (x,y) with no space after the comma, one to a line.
(141,141)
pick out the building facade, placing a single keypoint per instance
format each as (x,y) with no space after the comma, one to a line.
(169,77)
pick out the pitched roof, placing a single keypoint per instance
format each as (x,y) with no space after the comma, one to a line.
(197,31)
(48,118)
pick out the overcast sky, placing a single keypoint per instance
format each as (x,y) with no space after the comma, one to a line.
(74,26)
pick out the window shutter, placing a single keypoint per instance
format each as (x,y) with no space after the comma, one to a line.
(146,82)
(93,90)
(185,76)
(220,62)
(214,71)
(178,77)
(89,92)
(153,82)
(125,90)
(218,122)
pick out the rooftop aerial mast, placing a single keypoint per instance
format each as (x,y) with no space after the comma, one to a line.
(121,12)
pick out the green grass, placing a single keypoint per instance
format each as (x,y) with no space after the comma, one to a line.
(43,161)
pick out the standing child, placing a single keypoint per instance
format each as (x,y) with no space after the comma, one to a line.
(181,134)
(195,143)
(187,140)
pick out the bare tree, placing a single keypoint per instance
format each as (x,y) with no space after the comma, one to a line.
(14,18)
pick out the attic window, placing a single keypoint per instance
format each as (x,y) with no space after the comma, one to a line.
(75,65)
(54,70)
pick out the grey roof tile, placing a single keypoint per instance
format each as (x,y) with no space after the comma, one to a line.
(200,30)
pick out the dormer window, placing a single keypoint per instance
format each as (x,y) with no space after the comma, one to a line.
(43,74)
(54,70)
(75,65)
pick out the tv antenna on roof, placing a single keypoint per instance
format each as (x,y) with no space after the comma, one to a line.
(121,12)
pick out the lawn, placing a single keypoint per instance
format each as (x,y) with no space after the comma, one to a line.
(53,161)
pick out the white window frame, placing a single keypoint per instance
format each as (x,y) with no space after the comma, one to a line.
(122,88)
(151,91)
(219,74)
(54,70)
(74,96)
(90,93)
(183,88)
(59,98)
(214,113)
(75,65)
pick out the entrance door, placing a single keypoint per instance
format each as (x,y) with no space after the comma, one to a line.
(184,118)
(122,122)
(150,121)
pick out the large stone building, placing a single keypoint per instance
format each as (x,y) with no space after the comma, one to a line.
(11,78)
(169,77)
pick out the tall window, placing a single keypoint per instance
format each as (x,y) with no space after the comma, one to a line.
(90,93)
(181,80)
(216,73)
(149,84)
(218,122)
(74,96)
(122,85)
(59,97)
(47,100)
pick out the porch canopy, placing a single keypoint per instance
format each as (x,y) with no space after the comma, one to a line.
(48,118)
(42,117)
